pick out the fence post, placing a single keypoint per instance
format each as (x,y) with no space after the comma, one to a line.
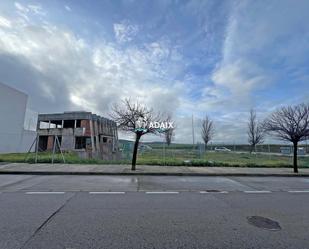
(269,151)
(54,147)
(36,148)
(164,152)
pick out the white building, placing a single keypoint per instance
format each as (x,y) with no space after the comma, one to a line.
(17,123)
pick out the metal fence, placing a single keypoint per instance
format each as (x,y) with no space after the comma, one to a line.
(271,154)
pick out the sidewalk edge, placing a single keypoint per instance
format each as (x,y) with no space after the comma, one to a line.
(151,174)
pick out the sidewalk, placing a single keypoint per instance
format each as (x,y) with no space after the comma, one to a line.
(94,169)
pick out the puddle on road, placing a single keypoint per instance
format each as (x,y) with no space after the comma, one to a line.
(264,223)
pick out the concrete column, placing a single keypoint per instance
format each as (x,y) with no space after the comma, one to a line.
(38,125)
(100,125)
(75,124)
(62,123)
(97,135)
(91,134)
(37,138)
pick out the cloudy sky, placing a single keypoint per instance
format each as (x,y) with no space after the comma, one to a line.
(219,58)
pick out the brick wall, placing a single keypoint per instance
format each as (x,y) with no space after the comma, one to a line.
(86,124)
(50,143)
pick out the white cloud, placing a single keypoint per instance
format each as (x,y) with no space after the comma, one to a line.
(240,77)
(36,9)
(88,76)
(68,8)
(125,31)
(5,22)
(20,7)
(25,11)
(259,38)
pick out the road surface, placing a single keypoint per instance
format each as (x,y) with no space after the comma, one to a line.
(79,212)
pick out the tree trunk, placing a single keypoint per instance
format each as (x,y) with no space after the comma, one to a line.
(137,138)
(295,157)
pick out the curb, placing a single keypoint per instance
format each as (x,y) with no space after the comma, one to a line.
(151,174)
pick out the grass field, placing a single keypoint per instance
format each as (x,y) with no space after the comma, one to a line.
(194,158)
(170,157)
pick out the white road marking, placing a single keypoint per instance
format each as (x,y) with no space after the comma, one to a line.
(211,192)
(298,191)
(257,192)
(163,192)
(43,193)
(108,193)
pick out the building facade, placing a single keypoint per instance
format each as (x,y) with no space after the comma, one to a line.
(17,131)
(87,134)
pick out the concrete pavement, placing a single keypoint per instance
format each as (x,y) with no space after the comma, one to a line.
(75,183)
(79,212)
(95,169)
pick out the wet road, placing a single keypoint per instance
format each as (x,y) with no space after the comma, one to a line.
(152,212)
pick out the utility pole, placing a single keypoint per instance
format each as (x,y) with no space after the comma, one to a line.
(193,142)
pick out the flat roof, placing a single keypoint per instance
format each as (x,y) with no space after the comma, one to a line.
(72,116)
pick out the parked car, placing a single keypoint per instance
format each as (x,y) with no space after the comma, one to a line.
(144,147)
(224,149)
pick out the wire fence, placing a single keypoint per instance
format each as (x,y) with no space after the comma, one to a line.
(233,154)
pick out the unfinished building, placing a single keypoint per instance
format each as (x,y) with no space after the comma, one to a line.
(87,134)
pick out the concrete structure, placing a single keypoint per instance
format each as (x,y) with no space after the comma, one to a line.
(87,134)
(17,132)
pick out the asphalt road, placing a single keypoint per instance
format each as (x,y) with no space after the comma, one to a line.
(153,212)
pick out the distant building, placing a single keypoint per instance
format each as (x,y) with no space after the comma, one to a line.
(301,151)
(87,134)
(17,123)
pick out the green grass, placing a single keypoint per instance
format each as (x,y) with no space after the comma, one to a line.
(173,157)
(46,157)
(177,157)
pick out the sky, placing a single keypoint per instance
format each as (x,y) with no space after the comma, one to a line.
(215,58)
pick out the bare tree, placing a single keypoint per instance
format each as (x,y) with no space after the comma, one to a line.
(290,124)
(170,132)
(255,131)
(135,118)
(207,130)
